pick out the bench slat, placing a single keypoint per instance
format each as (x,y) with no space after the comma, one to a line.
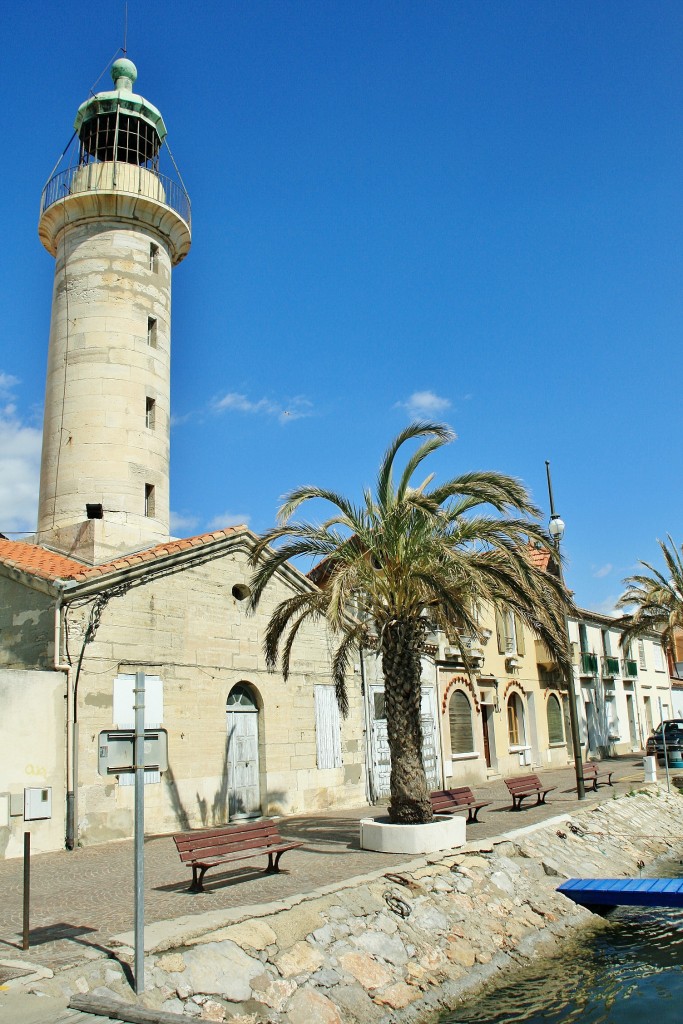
(218,849)
(241,855)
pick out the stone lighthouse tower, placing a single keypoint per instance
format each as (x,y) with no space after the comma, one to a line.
(116,227)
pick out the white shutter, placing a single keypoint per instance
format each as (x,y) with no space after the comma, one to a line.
(659,658)
(641,654)
(327,728)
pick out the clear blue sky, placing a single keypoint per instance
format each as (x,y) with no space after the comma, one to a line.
(465,210)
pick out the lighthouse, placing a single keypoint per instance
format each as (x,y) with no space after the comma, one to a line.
(116,227)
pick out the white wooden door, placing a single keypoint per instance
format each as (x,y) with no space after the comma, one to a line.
(244,794)
(381,758)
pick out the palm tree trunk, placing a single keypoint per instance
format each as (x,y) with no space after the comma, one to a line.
(401,645)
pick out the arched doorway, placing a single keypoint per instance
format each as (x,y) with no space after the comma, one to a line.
(244,793)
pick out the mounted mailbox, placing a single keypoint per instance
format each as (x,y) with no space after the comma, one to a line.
(116,750)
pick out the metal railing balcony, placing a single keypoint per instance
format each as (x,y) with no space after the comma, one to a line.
(610,666)
(117,177)
(630,668)
(589,664)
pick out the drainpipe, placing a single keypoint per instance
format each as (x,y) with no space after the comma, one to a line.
(71,728)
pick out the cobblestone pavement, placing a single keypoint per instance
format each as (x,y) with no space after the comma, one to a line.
(80,899)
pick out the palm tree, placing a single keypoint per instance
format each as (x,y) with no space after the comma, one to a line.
(406,560)
(657,598)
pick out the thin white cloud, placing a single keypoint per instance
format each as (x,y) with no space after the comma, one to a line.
(609,607)
(425,403)
(20,445)
(293,409)
(7,384)
(226,519)
(183,524)
(603,571)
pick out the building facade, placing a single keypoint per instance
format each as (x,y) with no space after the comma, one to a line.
(618,690)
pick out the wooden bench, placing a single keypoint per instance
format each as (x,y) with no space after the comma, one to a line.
(527,785)
(207,848)
(445,800)
(593,774)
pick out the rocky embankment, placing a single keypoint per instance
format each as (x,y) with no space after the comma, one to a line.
(392,948)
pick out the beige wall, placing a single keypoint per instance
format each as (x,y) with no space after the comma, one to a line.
(188,629)
(26,627)
(522,679)
(32,755)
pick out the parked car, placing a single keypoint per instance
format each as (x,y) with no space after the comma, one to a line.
(673,734)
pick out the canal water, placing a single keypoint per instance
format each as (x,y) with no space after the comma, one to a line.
(630,972)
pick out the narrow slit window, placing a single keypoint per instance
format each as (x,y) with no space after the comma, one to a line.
(150,413)
(152,331)
(154,258)
(149,499)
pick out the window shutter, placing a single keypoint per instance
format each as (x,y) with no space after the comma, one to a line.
(641,654)
(555,730)
(327,728)
(519,630)
(500,631)
(460,719)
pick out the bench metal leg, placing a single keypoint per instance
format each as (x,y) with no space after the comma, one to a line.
(197,880)
(273,866)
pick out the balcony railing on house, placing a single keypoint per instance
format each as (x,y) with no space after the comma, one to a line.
(589,664)
(610,667)
(122,177)
(630,668)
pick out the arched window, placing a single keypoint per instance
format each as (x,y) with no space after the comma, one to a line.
(460,718)
(516,721)
(555,723)
(241,698)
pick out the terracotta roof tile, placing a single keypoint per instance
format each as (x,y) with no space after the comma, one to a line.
(39,561)
(539,557)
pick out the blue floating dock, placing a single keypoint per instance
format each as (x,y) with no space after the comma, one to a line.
(624,892)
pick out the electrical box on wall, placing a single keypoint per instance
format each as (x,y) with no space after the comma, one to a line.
(37,804)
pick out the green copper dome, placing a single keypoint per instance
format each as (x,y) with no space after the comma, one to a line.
(121,100)
(123,68)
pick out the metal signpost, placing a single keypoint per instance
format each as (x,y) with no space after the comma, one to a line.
(139,767)
(556,529)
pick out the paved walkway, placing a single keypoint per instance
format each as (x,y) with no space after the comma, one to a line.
(80,899)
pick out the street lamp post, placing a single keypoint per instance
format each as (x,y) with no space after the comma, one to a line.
(556,530)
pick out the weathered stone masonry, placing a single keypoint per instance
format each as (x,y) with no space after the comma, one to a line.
(346,955)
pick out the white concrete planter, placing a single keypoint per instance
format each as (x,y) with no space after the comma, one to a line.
(444,833)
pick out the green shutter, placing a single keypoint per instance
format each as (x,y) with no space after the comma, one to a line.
(555,730)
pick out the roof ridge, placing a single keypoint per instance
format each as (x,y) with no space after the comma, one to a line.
(38,560)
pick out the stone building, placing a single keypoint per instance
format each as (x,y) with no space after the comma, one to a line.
(102,591)
(241,740)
